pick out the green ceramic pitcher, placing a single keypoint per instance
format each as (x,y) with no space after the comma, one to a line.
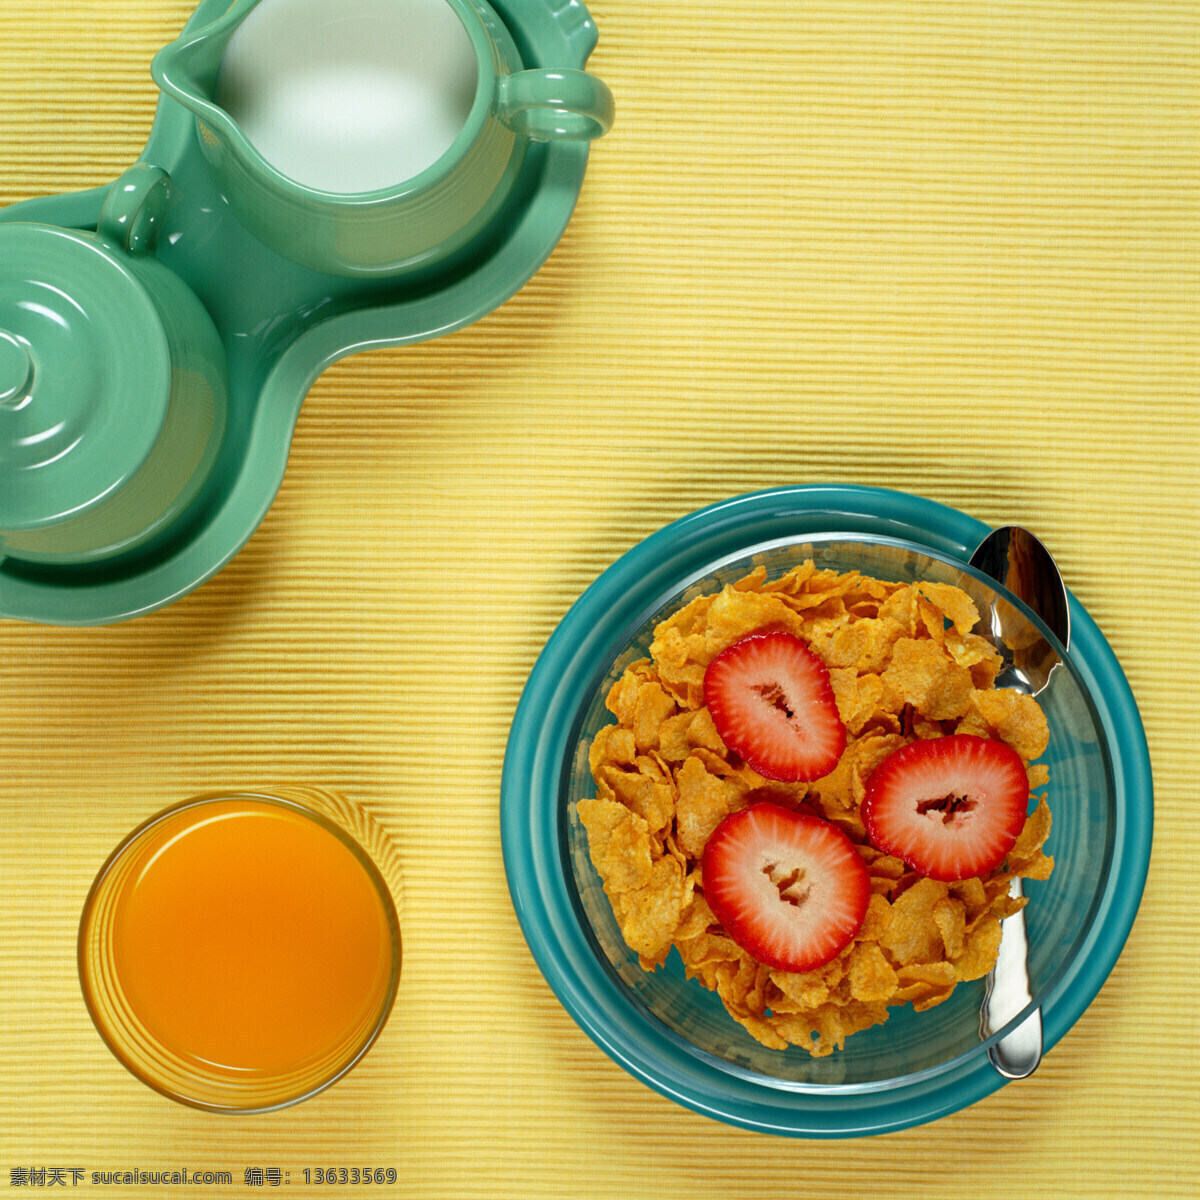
(402,223)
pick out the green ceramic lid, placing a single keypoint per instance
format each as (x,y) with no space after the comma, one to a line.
(84,374)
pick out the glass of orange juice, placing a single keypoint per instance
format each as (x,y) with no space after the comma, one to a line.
(240,952)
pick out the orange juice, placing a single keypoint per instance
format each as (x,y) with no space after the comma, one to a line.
(248,941)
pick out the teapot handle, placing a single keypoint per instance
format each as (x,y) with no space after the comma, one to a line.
(133,207)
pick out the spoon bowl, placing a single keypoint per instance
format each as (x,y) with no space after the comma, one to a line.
(1018,561)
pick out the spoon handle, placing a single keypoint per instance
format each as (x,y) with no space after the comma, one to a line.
(1017,1054)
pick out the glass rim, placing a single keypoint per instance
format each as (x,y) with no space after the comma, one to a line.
(92,989)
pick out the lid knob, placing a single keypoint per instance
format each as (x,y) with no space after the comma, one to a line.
(16,371)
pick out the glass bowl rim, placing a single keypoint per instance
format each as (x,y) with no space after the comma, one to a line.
(660,609)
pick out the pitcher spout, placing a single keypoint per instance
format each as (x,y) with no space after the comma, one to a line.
(187,69)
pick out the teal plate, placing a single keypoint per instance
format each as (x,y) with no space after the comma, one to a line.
(534,817)
(282,325)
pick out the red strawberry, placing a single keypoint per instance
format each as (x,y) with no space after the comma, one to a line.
(789,888)
(950,807)
(772,703)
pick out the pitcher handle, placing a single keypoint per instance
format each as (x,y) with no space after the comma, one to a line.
(560,104)
(133,207)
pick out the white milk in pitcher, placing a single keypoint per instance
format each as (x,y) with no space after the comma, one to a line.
(349,95)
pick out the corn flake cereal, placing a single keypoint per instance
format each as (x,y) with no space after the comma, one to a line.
(904,663)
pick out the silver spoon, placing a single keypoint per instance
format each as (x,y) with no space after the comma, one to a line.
(1016,559)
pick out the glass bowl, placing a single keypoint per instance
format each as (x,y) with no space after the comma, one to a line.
(1081,795)
(669,1030)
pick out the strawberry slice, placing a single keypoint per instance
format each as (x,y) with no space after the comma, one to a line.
(950,807)
(772,703)
(789,888)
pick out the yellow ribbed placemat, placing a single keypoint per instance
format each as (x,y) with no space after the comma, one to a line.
(938,247)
